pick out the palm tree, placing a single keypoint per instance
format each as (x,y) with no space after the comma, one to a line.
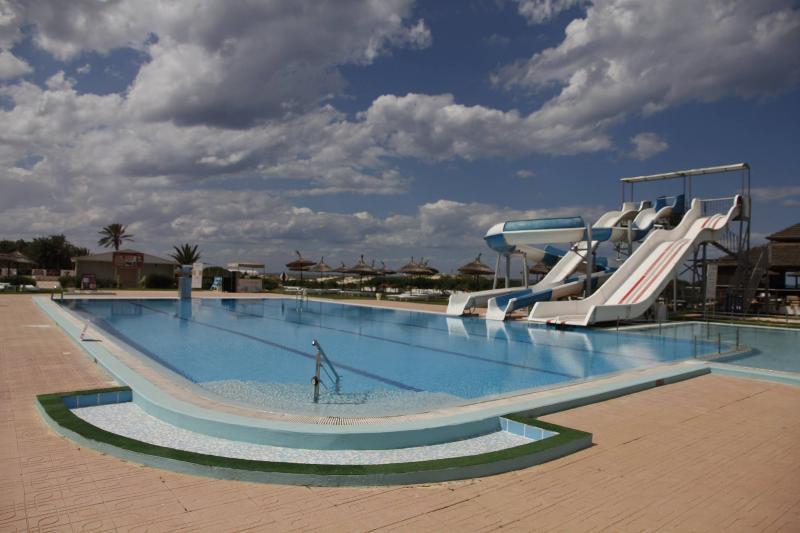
(186,254)
(113,235)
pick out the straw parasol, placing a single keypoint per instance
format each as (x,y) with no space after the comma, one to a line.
(321,267)
(362,269)
(414,268)
(424,263)
(384,270)
(477,269)
(300,264)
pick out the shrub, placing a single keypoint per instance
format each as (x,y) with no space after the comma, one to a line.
(159,281)
(67,281)
(270,284)
(18,280)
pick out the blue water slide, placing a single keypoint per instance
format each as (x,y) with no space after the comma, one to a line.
(544,223)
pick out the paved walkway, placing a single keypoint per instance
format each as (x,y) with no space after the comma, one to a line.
(710,454)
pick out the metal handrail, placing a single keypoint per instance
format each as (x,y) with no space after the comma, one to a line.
(321,362)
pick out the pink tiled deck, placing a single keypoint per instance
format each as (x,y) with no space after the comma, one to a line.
(712,453)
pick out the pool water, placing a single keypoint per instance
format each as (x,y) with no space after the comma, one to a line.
(391,361)
(769,348)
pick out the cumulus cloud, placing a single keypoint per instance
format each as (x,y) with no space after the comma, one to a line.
(629,56)
(11,66)
(539,11)
(646,145)
(230,64)
(789,196)
(238,91)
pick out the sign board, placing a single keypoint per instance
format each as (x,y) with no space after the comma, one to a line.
(711,282)
(128,260)
(197,276)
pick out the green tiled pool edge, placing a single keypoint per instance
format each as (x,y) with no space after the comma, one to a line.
(63,421)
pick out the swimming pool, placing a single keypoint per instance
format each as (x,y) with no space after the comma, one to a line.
(770,348)
(259,352)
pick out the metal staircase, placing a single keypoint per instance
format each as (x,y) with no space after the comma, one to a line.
(745,282)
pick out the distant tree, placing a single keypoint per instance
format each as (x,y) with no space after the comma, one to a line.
(113,235)
(185,254)
(52,253)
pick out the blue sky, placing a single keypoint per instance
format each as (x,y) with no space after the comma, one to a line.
(392,128)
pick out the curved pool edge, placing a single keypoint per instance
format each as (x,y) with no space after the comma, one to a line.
(412,430)
(65,423)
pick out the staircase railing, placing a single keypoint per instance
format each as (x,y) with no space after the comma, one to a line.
(324,367)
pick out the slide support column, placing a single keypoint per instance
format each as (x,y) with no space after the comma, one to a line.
(496,271)
(508,270)
(525,268)
(589,260)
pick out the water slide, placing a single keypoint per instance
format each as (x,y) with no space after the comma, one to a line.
(560,282)
(461,302)
(519,236)
(634,287)
(557,285)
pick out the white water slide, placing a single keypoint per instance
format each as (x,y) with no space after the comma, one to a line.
(561,281)
(634,287)
(520,236)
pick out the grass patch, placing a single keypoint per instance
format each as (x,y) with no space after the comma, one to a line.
(53,405)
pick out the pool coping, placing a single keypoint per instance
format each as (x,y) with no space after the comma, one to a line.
(447,424)
(59,417)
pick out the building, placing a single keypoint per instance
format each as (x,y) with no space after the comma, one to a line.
(124,268)
(776,266)
(251,268)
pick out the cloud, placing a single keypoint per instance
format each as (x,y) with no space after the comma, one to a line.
(646,145)
(230,64)
(524,173)
(11,66)
(637,56)
(84,69)
(496,39)
(772,194)
(539,11)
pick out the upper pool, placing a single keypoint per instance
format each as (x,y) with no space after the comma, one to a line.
(259,352)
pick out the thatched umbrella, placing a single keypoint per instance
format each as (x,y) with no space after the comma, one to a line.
(477,269)
(362,269)
(413,268)
(300,264)
(384,270)
(424,263)
(321,267)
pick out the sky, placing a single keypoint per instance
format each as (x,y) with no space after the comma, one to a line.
(389,128)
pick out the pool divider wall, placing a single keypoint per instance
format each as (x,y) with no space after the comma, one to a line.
(55,411)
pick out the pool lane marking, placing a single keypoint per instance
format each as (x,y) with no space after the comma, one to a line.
(364,373)
(515,340)
(440,350)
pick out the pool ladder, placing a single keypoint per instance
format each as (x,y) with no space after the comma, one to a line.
(324,364)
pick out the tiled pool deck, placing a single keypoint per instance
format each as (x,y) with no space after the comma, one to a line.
(711,453)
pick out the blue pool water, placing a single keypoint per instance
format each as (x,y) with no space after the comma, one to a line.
(391,361)
(769,348)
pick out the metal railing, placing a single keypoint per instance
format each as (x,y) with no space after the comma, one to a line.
(714,206)
(323,364)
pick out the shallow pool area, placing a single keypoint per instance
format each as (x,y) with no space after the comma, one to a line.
(258,352)
(768,348)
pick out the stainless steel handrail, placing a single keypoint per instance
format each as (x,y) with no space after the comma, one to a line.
(321,362)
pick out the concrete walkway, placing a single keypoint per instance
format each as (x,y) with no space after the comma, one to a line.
(709,454)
